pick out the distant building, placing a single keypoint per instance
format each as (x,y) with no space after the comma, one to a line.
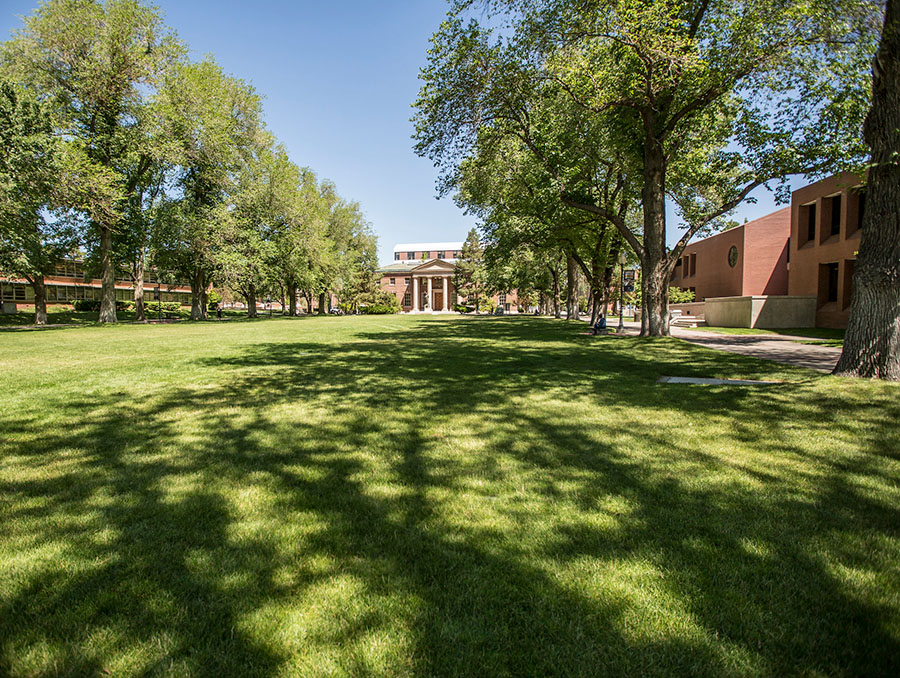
(825,231)
(421,277)
(71,282)
(748,260)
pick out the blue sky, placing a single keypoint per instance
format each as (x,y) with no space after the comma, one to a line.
(338,79)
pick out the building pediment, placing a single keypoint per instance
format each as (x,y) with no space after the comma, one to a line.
(434,266)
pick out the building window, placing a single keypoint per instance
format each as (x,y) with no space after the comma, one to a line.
(501,299)
(406,281)
(392,281)
(828,283)
(440,255)
(396,256)
(733,256)
(834,205)
(694,264)
(410,255)
(807,223)
(407,299)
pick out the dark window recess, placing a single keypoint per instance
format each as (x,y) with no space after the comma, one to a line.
(836,215)
(396,256)
(693,264)
(789,250)
(811,224)
(832,282)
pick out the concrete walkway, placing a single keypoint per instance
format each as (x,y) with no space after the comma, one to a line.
(777,347)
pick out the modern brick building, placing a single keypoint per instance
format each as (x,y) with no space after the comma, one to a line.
(747,260)
(70,282)
(825,222)
(421,277)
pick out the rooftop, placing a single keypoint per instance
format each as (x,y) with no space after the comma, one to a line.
(425,246)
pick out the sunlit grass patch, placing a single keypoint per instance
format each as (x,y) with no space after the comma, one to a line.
(413,496)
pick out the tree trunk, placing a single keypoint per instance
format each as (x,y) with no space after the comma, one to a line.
(872,343)
(570,287)
(198,289)
(293,294)
(139,312)
(322,310)
(645,324)
(556,310)
(40,300)
(309,302)
(655,261)
(251,301)
(108,277)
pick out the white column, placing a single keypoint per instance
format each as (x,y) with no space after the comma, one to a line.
(415,295)
(446,292)
(430,301)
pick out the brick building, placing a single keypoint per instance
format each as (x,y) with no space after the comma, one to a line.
(825,222)
(747,260)
(421,277)
(70,282)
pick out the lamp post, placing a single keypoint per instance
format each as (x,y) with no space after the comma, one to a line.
(622,259)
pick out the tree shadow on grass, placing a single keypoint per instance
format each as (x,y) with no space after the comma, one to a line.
(169,565)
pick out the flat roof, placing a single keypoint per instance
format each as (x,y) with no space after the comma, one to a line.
(420,246)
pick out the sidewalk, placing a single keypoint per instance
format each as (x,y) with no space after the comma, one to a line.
(777,347)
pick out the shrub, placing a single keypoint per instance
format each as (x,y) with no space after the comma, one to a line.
(463,308)
(86,305)
(166,307)
(380,309)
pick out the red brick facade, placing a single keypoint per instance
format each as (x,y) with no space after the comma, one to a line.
(825,221)
(750,259)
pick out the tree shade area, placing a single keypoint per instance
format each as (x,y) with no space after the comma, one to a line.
(411,496)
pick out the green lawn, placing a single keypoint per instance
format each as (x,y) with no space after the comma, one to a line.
(408,496)
(822,336)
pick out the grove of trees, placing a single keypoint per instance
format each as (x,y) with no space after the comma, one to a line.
(119,145)
(568,126)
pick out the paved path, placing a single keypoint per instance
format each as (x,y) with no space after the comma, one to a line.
(777,347)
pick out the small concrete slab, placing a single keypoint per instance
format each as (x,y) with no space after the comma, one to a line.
(714,382)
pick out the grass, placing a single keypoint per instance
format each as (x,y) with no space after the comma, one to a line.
(824,336)
(408,496)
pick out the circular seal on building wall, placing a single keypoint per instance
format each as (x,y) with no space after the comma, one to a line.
(733,256)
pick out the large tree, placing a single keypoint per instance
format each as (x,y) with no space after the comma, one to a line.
(32,240)
(96,63)
(469,274)
(212,123)
(702,101)
(872,344)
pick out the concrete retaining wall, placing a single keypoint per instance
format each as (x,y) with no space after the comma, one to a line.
(695,308)
(761,311)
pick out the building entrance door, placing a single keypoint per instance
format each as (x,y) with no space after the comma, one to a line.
(438,301)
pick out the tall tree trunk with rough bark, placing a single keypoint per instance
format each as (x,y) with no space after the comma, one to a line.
(292,292)
(571,303)
(251,301)
(107,277)
(40,299)
(322,302)
(655,262)
(556,310)
(138,275)
(872,343)
(198,289)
